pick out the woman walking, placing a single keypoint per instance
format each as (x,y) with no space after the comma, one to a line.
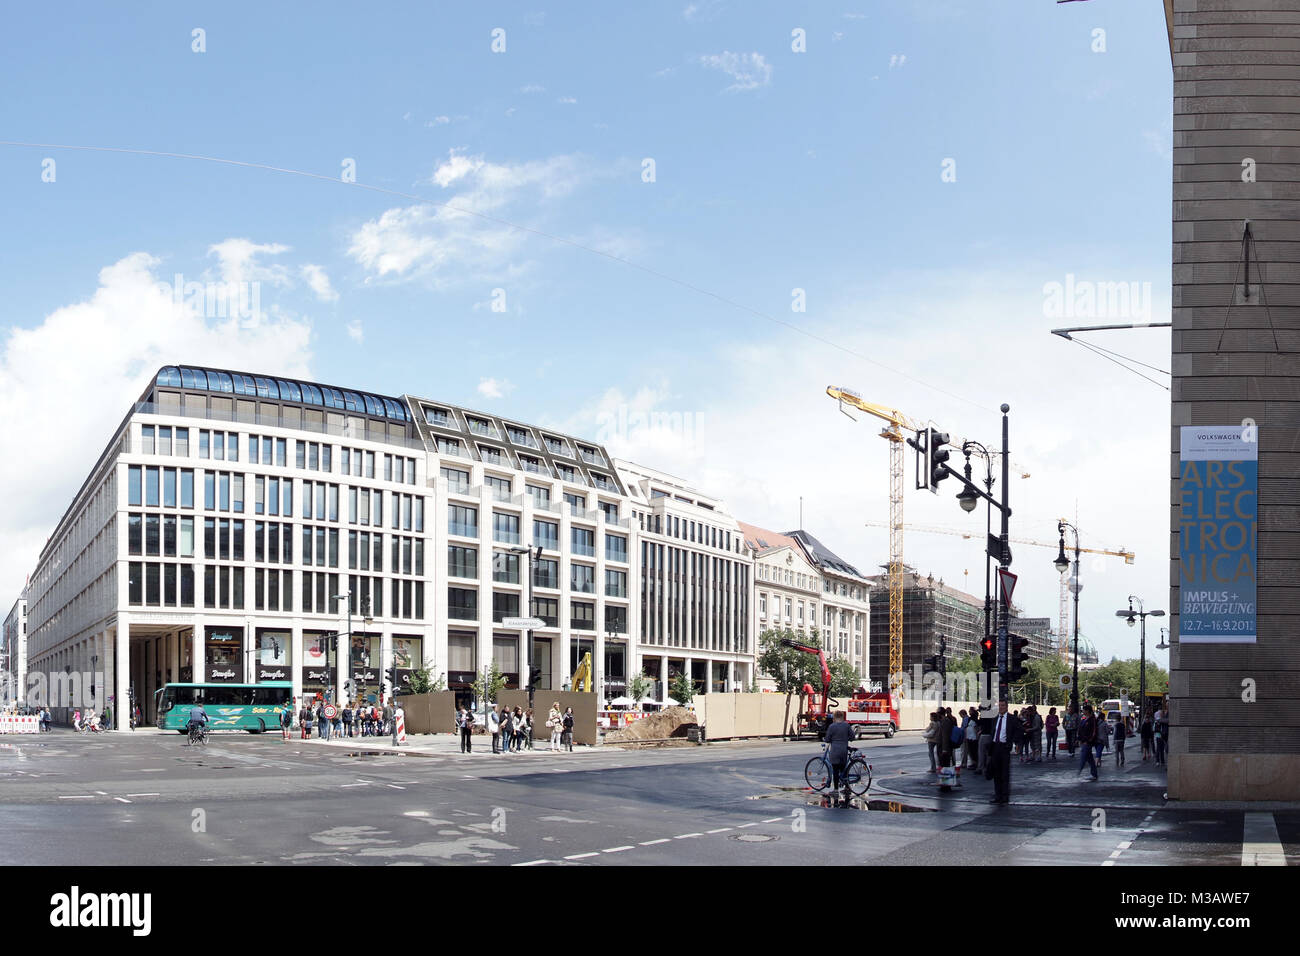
(555,721)
(931,738)
(1050,725)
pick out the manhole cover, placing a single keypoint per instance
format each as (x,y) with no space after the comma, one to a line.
(755,838)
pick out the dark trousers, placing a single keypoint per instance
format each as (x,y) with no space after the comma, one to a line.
(465,743)
(838,769)
(1071,740)
(1001,757)
(496,742)
(1051,744)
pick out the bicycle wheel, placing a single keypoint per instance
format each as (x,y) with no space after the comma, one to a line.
(817,773)
(859,776)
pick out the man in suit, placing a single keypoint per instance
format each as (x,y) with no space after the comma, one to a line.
(1007,732)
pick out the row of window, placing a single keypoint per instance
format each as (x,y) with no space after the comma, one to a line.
(696,532)
(462,605)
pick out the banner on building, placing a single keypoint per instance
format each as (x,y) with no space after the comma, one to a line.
(1218,531)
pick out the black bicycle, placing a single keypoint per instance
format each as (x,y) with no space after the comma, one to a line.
(856,775)
(198,734)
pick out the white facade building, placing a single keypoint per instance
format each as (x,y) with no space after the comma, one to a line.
(696,586)
(13,654)
(233,521)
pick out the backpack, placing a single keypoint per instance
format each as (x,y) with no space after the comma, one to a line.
(957,734)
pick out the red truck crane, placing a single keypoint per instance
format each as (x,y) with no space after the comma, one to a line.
(867,711)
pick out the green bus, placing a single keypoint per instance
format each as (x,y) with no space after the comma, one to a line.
(255,708)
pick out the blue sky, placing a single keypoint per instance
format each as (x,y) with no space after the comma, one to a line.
(774,170)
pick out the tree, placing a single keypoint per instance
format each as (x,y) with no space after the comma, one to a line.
(790,669)
(844,678)
(639,688)
(682,689)
(422,683)
(486,692)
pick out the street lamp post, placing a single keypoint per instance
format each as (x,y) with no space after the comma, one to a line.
(1062,564)
(1131,615)
(338,654)
(969,501)
(526,655)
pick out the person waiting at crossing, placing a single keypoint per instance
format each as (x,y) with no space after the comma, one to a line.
(838,735)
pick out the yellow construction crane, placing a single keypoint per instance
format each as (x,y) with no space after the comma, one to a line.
(1063,611)
(892,433)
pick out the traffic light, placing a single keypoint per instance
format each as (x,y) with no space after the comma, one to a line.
(534,677)
(1016,657)
(392,679)
(937,457)
(932,663)
(988,654)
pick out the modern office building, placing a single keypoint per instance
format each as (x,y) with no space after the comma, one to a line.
(696,609)
(233,521)
(13,654)
(931,609)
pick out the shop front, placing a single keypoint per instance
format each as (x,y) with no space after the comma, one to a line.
(273,655)
(223,655)
(317,665)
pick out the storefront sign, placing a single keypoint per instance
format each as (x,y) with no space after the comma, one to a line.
(1218,530)
(265,673)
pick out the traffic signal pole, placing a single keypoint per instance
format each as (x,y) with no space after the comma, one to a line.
(1004,613)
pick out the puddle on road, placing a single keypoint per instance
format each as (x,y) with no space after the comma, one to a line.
(827,801)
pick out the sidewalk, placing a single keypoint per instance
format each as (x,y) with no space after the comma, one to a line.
(1138,784)
(438,745)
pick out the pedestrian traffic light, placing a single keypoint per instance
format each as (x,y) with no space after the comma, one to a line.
(988,654)
(1016,658)
(534,677)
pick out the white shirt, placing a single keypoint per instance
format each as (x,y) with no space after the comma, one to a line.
(1000,733)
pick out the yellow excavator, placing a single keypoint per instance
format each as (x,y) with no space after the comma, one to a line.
(582,676)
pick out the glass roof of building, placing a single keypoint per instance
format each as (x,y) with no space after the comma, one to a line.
(305,393)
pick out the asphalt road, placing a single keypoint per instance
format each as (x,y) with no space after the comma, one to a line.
(148,799)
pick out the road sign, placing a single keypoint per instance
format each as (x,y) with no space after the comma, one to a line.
(1066,680)
(329,711)
(523,622)
(1008,582)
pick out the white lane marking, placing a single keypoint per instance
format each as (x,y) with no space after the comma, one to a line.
(102,793)
(122,799)
(618,849)
(532,863)
(652,842)
(580,856)
(1115,854)
(345,785)
(80,796)
(144,770)
(396,787)
(743,825)
(1126,844)
(774,819)
(143,794)
(687,836)
(718,830)
(1107,862)
(1260,844)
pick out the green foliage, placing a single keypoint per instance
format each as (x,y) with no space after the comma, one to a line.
(682,689)
(423,683)
(966,664)
(775,660)
(639,687)
(844,678)
(486,691)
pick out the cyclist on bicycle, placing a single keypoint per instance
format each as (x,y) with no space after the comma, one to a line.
(838,735)
(198,718)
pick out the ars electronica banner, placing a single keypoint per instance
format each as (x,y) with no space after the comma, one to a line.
(1218,526)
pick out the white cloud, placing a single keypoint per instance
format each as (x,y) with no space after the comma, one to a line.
(1110,457)
(897,59)
(67,380)
(532,88)
(837,36)
(450,243)
(355,332)
(567,99)
(438,121)
(1161,139)
(749,71)
(495,388)
(319,282)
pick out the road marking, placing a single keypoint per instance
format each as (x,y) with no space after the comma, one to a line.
(102,793)
(343,785)
(1126,844)
(618,849)
(774,820)
(1260,844)
(122,799)
(144,794)
(580,856)
(743,825)
(396,787)
(719,830)
(144,769)
(1107,862)
(687,836)
(1115,854)
(652,842)
(532,863)
(80,796)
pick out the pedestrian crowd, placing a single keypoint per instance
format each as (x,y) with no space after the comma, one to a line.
(513,730)
(363,720)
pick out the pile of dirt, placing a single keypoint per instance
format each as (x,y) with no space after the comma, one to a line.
(673,722)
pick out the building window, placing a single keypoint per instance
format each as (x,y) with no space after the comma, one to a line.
(615,619)
(615,547)
(461,562)
(504,605)
(462,604)
(616,584)
(505,567)
(584,542)
(546,573)
(462,521)
(582,616)
(546,534)
(548,609)
(505,528)
(582,578)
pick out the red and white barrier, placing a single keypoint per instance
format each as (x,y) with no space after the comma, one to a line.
(401,727)
(19,724)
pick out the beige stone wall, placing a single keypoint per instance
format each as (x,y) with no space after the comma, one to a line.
(430,713)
